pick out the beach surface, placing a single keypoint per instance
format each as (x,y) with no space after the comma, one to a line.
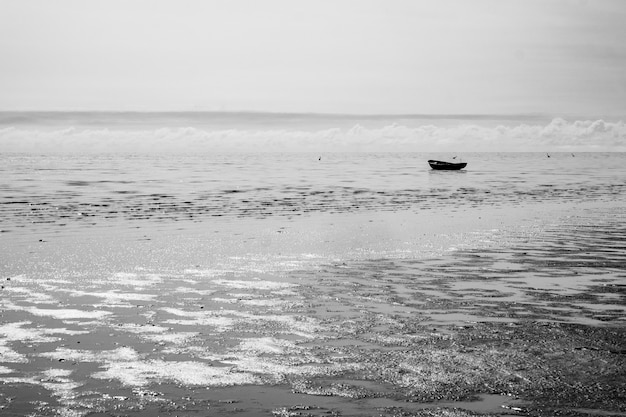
(361,291)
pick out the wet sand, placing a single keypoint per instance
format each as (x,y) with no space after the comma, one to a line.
(497,311)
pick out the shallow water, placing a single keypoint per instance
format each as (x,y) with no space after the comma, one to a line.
(282,284)
(77,190)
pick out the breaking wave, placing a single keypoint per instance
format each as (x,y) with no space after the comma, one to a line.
(556,135)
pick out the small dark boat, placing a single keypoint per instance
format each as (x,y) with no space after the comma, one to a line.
(446,165)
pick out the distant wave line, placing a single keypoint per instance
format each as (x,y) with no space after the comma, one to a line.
(557,135)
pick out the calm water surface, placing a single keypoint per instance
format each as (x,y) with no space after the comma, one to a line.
(67,190)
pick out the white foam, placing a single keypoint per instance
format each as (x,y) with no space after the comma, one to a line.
(201,318)
(61,387)
(268,302)
(113,305)
(256,284)
(140,373)
(267,345)
(55,373)
(56,281)
(31,380)
(186,313)
(187,290)
(63,314)
(4,369)
(56,381)
(64,331)
(119,354)
(277,368)
(17,332)
(298,325)
(226,300)
(113,296)
(8,355)
(174,338)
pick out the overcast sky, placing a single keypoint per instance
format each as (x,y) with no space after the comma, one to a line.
(344,56)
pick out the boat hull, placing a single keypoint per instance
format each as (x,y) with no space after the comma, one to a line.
(447,166)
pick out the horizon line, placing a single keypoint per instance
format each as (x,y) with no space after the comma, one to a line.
(296,113)
(538,116)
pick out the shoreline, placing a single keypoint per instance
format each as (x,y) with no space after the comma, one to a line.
(320,315)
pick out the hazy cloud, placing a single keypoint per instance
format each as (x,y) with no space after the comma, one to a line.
(341,56)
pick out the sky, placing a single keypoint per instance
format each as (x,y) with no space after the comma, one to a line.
(557,57)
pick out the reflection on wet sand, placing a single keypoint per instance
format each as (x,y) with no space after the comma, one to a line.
(536,327)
